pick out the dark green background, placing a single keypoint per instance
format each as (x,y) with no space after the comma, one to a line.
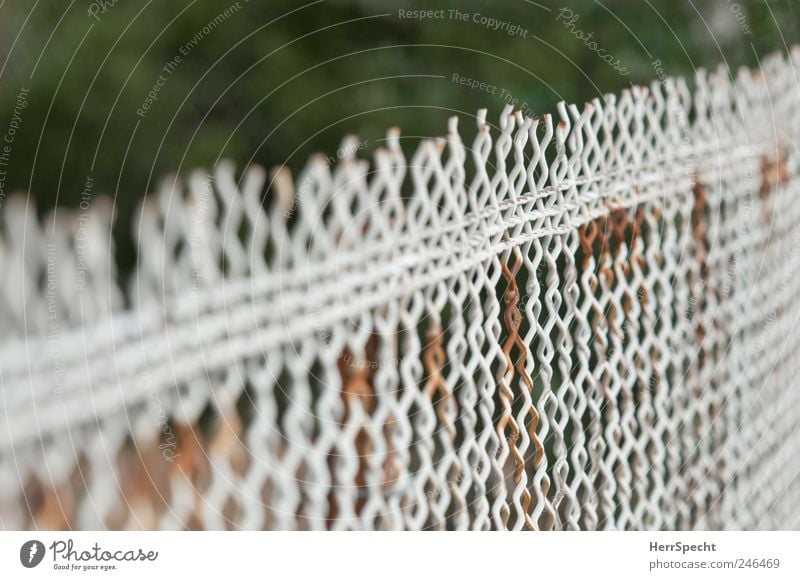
(274,92)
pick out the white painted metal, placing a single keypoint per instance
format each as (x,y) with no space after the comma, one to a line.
(586,322)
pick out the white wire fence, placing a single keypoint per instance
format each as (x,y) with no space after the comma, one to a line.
(579,322)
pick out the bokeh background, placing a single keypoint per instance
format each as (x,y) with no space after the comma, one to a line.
(272,81)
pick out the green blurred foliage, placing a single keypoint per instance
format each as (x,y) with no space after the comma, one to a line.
(277,80)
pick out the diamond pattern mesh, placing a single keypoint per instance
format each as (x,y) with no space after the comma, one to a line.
(579,322)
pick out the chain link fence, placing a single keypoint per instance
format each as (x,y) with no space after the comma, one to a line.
(579,321)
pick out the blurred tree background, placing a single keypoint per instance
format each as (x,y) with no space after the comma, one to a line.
(270,81)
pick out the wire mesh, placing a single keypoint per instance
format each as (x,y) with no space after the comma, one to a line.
(579,322)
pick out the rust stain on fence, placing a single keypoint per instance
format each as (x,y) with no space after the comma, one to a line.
(436,389)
